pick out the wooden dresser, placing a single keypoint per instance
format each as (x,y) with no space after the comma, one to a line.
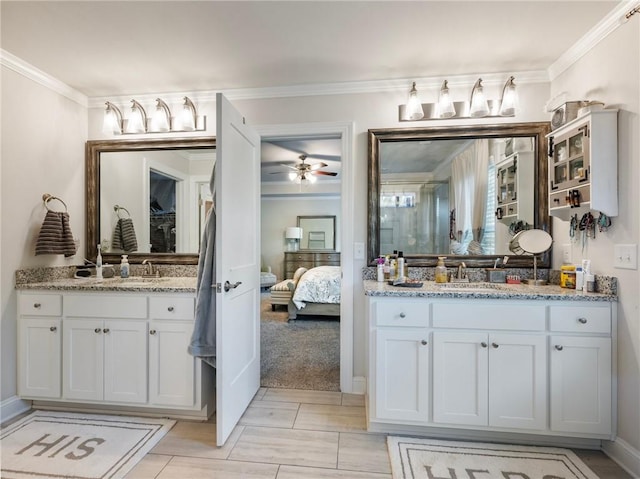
(308,259)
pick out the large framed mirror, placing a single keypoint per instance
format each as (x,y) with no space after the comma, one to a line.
(148,198)
(457,191)
(318,233)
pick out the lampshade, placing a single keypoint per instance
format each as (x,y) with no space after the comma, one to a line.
(293,232)
(509,101)
(161,119)
(479,105)
(445,105)
(112,123)
(189,115)
(414,106)
(138,119)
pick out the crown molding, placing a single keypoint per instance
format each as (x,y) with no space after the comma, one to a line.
(27,70)
(614,19)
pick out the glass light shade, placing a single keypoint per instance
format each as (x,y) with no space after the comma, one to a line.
(188,115)
(136,122)
(479,105)
(160,119)
(414,106)
(445,105)
(312,178)
(293,175)
(111,123)
(509,103)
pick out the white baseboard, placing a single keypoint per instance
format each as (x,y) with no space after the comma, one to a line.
(359,385)
(623,453)
(11,407)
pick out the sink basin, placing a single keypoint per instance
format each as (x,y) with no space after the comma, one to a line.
(135,281)
(473,288)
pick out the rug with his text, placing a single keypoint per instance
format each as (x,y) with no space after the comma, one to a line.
(416,458)
(88,446)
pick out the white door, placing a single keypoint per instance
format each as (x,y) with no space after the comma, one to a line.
(518,381)
(580,384)
(237,252)
(40,357)
(402,374)
(83,359)
(460,373)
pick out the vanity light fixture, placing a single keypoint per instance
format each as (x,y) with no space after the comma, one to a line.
(478,106)
(138,120)
(112,124)
(160,121)
(414,106)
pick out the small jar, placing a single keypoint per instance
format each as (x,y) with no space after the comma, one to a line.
(590,282)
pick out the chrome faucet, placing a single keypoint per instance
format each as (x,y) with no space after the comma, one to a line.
(149,269)
(462,270)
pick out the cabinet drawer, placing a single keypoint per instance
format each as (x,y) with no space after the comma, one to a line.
(40,304)
(297,257)
(402,313)
(105,306)
(580,319)
(171,307)
(472,315)
(326,258)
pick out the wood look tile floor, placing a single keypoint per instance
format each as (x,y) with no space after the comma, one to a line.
(291,434)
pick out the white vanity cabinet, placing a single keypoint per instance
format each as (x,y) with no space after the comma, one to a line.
(498,365)
(112,349)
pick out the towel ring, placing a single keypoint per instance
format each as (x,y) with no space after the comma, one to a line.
(47,197)
(117,209)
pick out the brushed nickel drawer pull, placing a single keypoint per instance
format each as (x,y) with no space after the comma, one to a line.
(559,348)
(483,344)
(170,309)
(37,305)
(97,330)
(106,330)
(582,320)
(495,345)
(153,331)
(402,315)
(53,329)
(424,342)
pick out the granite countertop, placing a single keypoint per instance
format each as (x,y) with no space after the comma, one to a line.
(431,289)
(168,284)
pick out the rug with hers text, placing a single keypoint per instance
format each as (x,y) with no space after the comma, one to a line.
(417,458)
(72,445)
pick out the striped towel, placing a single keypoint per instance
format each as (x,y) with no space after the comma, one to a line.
(124,236)
(55,235)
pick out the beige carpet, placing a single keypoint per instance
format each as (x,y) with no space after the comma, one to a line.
(418,458)
(71,445)
(298,354)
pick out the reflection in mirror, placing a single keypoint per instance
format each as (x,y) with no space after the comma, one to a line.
(148,198)
(318,232)
(455,191)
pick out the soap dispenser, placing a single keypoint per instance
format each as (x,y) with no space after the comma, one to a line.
(99,263)
(124,267)
(441,270)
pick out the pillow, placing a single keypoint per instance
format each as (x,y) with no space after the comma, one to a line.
(299,272)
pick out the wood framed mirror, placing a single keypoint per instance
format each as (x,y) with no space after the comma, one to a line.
(318,233)
(161,184)
(419,200)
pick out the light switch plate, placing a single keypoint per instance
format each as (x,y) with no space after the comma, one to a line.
(625,256)
(566,253)
(358,251)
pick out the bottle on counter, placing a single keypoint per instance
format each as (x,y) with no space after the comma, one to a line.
(579,278)
(124,266)
(99,263)
(568,276)
(441,270)
(386,268)
(380,269)
(400,266)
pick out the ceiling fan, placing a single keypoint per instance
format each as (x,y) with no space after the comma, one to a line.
(307,172)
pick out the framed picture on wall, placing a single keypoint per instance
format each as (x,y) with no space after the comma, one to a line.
(318,233)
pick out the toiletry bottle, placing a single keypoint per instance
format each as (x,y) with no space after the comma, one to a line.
(386,268)
(393,271)
(400,267)
(99,264)
(124,267)
(586,270)
(579,278)
(590,282)
(441,270)
(380,269)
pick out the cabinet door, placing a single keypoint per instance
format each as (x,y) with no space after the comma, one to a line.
(402,374)
(39,357)
(460,385)
(171,368)
(125,361)
(518,381)
(580,384)
(83,359)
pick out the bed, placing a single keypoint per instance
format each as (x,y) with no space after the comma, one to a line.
(317,293)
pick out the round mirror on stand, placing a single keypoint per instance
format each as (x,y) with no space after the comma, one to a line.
(533,242)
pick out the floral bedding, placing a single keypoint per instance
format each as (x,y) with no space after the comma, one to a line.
(318,285)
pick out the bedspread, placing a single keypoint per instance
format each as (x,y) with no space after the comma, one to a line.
(318,285)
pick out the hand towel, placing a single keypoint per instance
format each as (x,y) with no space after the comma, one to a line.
(124,236)
(55,235)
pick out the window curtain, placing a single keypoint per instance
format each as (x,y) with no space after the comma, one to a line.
(470,186)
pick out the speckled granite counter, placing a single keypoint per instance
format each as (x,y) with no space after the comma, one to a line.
(430,289)
(131,284)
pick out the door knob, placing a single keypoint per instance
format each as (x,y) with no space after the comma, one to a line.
(228,286)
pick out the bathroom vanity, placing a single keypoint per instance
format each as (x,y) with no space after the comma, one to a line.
(112,344)
(491,360)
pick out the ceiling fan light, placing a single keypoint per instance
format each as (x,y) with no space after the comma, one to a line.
(312,178)
(293,175)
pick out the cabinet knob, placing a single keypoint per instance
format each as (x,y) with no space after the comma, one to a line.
(495,345)
(53,329)
(105,330)
(559,348)
(424,342)
(170,309)
(582,320)
(402,315)
(37,305)
(483,344)
(97,330)
(153,331)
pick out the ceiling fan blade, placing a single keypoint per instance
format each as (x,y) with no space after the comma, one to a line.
(326,173)
(317,166)
(269,164)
